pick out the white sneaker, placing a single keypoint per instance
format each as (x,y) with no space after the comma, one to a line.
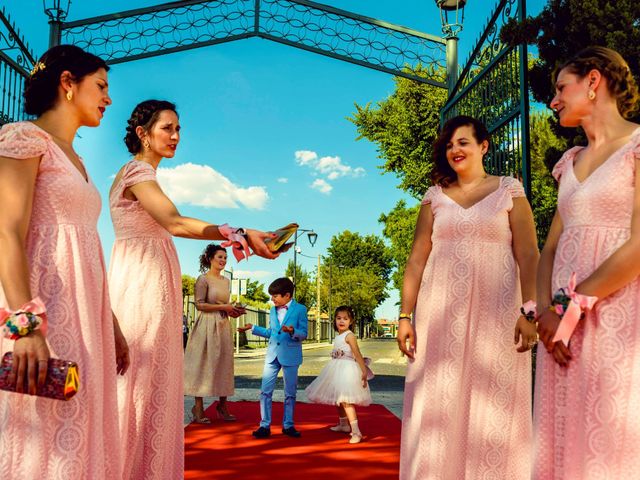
(355,438)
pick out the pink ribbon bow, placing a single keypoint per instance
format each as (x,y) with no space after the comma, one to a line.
(35,306)
(240,247)
(574,310)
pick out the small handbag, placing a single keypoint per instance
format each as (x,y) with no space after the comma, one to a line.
(62,382)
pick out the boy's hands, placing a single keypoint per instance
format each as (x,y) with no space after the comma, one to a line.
(247,326)
(288,329)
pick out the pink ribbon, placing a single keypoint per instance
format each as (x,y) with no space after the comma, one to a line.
(237,242)
(572,315)
(35,306)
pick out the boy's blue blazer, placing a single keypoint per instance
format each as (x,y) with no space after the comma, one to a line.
(286,348)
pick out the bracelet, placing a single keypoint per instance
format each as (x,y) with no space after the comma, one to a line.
(237,239)
(528,311)
(28,318)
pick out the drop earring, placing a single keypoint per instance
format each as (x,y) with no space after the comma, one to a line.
(146,144)
(69,95)
(591,95)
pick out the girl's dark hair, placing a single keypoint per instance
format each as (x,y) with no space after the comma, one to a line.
(349,311)
(41,87)
(209,252)
(442,173)
(614,68)
(145,115)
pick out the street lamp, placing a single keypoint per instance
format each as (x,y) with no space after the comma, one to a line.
(312,236)
(452,17)
(57,11)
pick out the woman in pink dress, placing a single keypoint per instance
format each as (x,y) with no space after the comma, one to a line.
(588,392)
(146,288)
(49,248)
(467,400)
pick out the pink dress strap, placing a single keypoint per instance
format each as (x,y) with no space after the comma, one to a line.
(429,195)
(137,172)
(22,140)
(565,161)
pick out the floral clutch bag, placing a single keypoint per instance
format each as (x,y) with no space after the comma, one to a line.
(62,382)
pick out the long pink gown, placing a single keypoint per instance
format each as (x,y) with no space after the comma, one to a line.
(586,417)
(146,292)
(467,398)
(42,438)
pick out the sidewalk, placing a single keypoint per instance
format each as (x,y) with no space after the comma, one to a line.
(261,352)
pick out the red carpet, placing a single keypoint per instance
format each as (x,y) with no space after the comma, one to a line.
(226,450)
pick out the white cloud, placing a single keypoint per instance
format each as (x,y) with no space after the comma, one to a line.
(332,167)
(283,180)
(202,186)
(251,274)
(322,186)
(305,157)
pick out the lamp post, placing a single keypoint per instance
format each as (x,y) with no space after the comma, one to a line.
(452,17)
(57,11)
(312,236)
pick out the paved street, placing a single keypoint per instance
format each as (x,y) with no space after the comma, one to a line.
(386,388)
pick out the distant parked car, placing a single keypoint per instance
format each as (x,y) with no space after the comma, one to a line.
(387,335)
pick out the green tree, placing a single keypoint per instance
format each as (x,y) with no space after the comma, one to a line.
(399,226)
(255,292)
(562,29)
(543,186)
(305,285)
(188,284)
(354,250)
(404,126)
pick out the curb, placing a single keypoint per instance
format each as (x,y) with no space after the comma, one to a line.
(261,352)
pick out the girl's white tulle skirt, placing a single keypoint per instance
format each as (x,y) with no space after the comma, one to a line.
(340,381)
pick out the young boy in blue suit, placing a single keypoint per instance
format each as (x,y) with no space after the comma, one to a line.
(287,329)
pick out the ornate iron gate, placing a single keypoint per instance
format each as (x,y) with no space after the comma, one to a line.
(493,87)
(315,27)
(16,60)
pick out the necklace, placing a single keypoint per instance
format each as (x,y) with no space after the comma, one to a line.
(467,191)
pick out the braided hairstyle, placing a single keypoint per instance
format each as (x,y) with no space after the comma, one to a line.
(613,68)
(41,87)
(145,115)
(209,252)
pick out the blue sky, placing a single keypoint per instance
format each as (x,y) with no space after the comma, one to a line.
(246,108)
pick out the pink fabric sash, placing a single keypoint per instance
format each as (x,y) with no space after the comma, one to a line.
(238,242)
(35,306)
(572,315)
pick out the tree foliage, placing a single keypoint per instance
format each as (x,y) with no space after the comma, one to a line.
(305,285)
(404,126)
(352,250)
(255,292)
(188,284)
(399,225)
(563,28)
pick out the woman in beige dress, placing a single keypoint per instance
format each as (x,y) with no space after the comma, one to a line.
(208,362)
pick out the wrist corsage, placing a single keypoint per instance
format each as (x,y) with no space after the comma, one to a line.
(28,318)
(237,239)
(528,311)
(570,306)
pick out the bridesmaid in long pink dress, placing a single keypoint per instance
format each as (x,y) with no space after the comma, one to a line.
(586,419)
(145,285)
(49,248)
(467,399)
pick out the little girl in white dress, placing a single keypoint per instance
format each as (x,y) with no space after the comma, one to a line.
(344,380)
